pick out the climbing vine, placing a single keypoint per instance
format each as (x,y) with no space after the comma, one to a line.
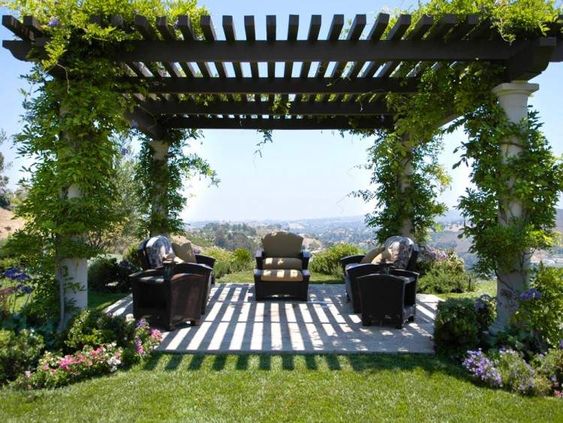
(465,90)
(161,180)
(74,124)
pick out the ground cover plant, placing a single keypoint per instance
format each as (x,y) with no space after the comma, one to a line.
(281,387)
(527,357)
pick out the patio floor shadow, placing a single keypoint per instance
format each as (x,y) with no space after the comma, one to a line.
(235,323)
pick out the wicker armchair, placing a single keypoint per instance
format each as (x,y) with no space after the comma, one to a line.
(281,267)
(172,294)
(357,266)
(388,298)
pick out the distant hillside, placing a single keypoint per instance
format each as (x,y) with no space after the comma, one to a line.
(8,224)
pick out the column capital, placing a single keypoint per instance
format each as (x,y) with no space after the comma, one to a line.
(523,88)
(513,98)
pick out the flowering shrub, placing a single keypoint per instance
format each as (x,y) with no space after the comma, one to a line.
(56,370)
(508,369)
(540,312)
(482,368)
(18,353)
(443,272)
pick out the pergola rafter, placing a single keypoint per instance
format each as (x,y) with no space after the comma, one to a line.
(225,80)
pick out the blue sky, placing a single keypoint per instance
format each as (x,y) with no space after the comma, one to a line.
(302,174)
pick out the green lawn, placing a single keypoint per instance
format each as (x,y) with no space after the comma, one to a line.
(247,276)
(280,388)
(101,300)
(488,286)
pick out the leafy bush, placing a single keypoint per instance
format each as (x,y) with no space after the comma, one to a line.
(460,323)
(18,353)
(230,261)
(328,260)
(105,273)
(507,368)
(446,274)
(131,255)
(54,370)
(540,312)
(94,327)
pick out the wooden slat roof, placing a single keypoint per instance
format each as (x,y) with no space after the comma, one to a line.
(292,82)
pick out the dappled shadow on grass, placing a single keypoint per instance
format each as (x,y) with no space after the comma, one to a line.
(362,363)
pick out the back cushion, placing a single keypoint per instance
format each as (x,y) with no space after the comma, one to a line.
(371,254)
(158,248)
(282,244)
(184,252)
(398,250)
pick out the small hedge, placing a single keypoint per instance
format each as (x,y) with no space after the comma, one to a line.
(460,324)
(230,261)
(328,260)
(106,274)
(444,274)
(18,353)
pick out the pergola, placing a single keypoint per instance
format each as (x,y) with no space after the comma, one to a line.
(228,81)
(338,82)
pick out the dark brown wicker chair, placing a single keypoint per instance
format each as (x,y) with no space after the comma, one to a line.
(281,267)
(170,297)
(353,269)
(388,298)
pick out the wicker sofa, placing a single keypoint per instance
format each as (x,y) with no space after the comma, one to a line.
(281,267)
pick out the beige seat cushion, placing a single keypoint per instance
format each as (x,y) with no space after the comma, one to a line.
(282,244)
(371,254)
(184,252)
(282,263)
(282,275)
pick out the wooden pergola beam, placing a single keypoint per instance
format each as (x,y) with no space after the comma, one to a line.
(266,108)
(321,50)
(274,85)
(279,124)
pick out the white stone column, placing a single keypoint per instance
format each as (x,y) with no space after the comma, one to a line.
(513,98)
(160,150)
(405,182)
(74,271)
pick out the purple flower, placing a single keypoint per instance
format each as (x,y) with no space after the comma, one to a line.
(530,294)
(15,274)
(134,124)
(53,22)
(124,151)
(482,368)
(24,289)
(141,324)
(177,24)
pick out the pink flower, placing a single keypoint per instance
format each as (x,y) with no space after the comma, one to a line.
(66,362)
(139,347)
(156,335)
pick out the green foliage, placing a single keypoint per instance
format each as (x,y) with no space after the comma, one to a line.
(328,260)
(94,327)
(460,323)
(519,376)
(4,194)
(18,353)
(74,125)
(542,318)
(104,271)
(230,261)
(534,178)
(160,181)
(445,276)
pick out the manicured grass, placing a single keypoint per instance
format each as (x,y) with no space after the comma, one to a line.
(280,388)
(101,300)
(247,276)
(488,286)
